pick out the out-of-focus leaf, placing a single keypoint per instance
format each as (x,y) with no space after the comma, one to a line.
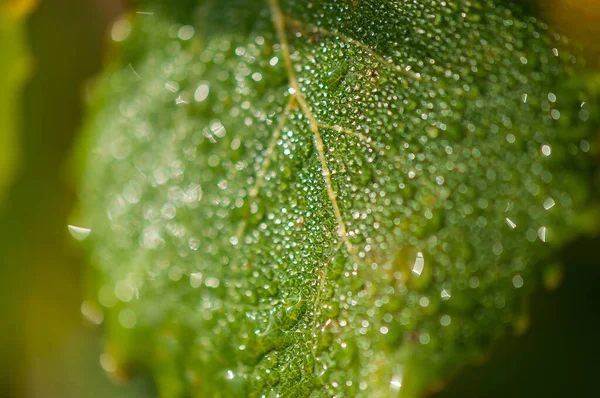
(14,66)
(328,198)
(578,19)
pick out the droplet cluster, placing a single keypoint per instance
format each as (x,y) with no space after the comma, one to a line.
(222,265)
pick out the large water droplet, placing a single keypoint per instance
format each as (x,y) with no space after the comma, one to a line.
(79,233)
(419,264)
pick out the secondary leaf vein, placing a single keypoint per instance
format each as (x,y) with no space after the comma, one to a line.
(279,22)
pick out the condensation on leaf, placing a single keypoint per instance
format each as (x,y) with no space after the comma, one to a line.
(328,198)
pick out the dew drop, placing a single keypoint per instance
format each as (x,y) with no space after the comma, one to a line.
(108,363)
(510,223)
(172,86)
(396,382)
(546,150)
(120,30)
(92,312)
(212,282)
(445,320)
(186,32)
(202,92)
(517,281)
(549,203)
(124,291)
(542,233)
(419,264)
(195,279)
(127,318)
(584,145)
(79,233)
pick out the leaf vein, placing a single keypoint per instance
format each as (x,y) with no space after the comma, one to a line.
(267,161)
(279,22)
(390,64)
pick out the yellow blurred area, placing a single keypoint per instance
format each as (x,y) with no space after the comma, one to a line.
(14,68)
(49,52)
(12,9)
(579,20)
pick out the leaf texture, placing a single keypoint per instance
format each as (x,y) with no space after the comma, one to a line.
(327,198)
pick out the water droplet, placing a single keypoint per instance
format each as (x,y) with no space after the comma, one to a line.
(202,92)
(542,233)
(180,100)
(546,150)
(549,203)
(175,273)
(127,318)
(92,312)
(396,382)
(106,296)
(195,279)
(124,291)
(108,363)
(445,295)
(419,264)
(79,233)
(445,320)
(517,281)
(186,32)
(212,282)
(584,145)
(120,30)
(511,223)
(474,282)
(172,86)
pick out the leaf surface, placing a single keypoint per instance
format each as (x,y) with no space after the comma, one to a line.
(327,198)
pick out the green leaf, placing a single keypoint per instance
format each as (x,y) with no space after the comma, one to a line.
(14,64)
(326,198)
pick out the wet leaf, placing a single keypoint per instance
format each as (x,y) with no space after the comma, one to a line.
(326,198)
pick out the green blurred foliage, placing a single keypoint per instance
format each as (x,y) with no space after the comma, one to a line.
(13,70)
(46,347)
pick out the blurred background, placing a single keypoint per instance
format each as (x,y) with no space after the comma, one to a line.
(50,52)
(47,348)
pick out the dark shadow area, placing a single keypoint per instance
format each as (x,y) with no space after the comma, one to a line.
(558,355)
